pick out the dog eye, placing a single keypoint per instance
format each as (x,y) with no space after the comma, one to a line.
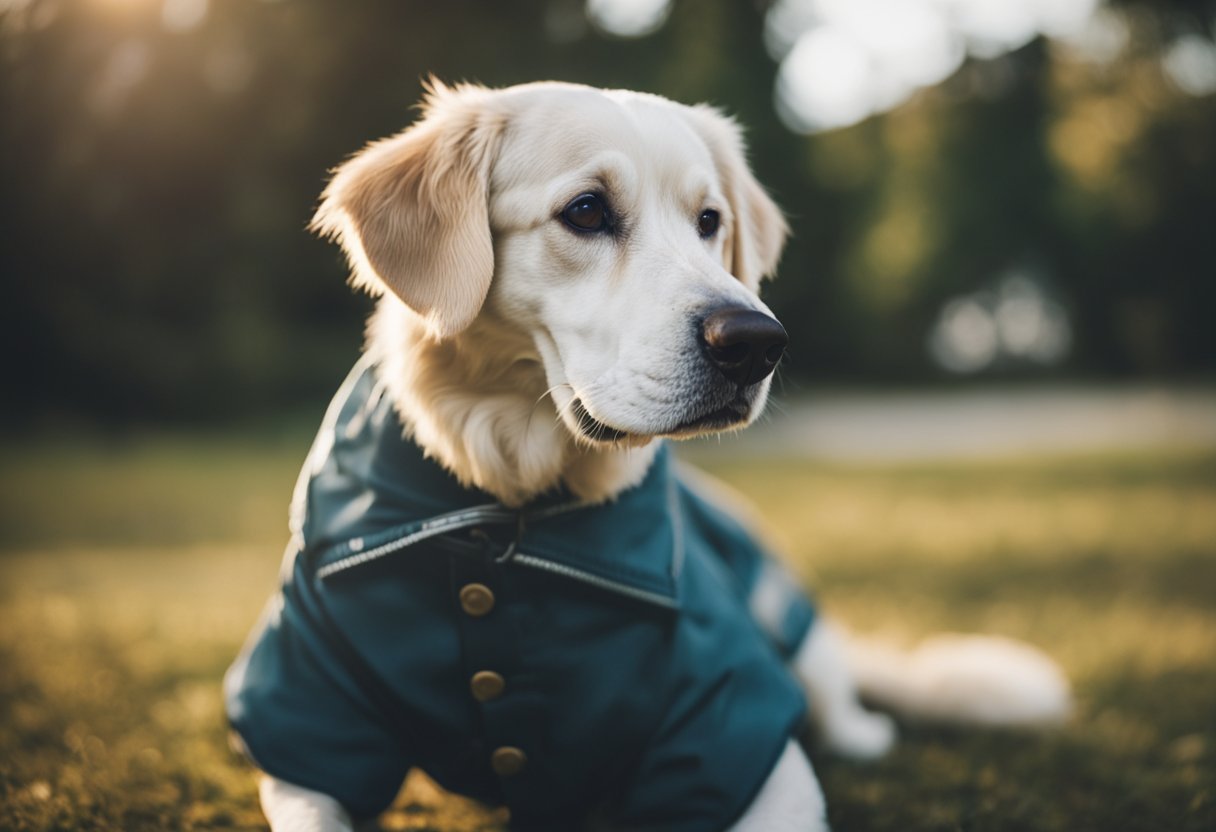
(707,223)
(586,213)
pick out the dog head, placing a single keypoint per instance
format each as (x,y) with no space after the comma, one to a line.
(621,233)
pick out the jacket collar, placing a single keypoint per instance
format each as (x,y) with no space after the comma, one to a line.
(368,492)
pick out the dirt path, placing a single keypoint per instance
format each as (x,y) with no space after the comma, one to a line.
(978,423)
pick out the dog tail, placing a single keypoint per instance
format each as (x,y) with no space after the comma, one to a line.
(962,679)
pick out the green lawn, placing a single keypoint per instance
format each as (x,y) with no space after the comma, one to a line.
(130,574)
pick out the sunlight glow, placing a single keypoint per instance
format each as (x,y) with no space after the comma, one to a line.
(1031,325)
(629,18)
(1191,64)
(183,15)
(869,57)
(844,60)
(1101,39)
(994,27)
(1017,321)
(965,338)
(825,81)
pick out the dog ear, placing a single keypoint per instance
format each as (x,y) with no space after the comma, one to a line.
(412,211)
(759,232)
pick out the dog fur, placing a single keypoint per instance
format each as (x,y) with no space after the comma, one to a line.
(525,355)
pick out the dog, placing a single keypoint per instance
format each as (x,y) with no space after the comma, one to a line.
(497,571)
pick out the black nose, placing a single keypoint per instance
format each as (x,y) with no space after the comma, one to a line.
(745,345)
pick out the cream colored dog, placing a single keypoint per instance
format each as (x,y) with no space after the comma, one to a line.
(566,276)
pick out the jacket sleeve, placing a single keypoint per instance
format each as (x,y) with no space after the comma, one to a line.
(776,600)
(296,717)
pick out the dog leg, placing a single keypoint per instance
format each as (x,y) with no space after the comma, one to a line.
(845,726)
(291,808)
(790,799)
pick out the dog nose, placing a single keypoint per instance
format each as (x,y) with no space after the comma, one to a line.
(745,345)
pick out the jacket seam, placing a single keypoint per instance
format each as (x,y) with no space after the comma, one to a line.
(592,579)
(428,528)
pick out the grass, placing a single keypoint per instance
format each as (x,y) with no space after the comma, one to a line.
(129,576)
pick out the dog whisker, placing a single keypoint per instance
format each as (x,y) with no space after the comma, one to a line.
(549,392)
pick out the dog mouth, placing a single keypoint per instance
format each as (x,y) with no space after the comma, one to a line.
(593,428)
(731,415)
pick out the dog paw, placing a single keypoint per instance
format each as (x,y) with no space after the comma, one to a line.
(860,734)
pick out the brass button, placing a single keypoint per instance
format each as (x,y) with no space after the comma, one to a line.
(486,685)
(507,761)
(476,599)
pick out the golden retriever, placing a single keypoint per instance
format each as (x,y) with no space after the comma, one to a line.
(566,277)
